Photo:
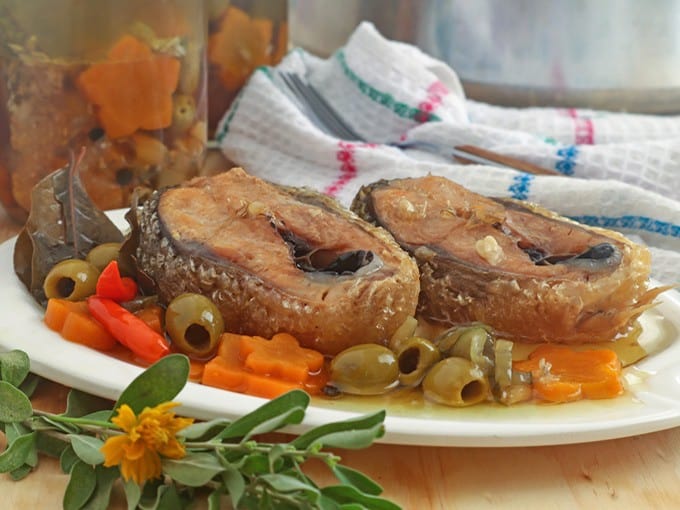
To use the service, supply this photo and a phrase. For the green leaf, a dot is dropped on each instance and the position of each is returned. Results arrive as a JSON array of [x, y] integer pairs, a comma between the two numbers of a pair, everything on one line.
[[14, 405], [254, 464], [14, 367], [14, 430], [215, 500], [285, 483], [87, 448], [102, 493], [287, 409], [328, 434], [79, 403], [194, 470], [169, 498], [133, 493], [159, 383], [234, 482], [103, 415], [357, 479], [21, 472], [275, 453], [81, 485], [50, 445], [66, 428], [29, 385], [17, 453], [204, 430], [346, 494], [67, 459]]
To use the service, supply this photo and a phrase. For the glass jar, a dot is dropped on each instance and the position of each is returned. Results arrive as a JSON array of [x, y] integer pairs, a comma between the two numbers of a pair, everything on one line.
[[242, 35], [123, 79]]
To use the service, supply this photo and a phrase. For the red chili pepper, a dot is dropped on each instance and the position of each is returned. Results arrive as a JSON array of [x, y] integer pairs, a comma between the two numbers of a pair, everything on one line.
[[111, 285], [128, 329]]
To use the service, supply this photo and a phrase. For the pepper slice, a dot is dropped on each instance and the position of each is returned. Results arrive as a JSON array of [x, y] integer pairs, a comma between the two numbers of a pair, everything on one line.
[[128, 329], [112, 285]]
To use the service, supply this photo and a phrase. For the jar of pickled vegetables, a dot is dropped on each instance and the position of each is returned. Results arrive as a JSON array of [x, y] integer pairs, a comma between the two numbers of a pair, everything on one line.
[[120, 81], [242, 35]]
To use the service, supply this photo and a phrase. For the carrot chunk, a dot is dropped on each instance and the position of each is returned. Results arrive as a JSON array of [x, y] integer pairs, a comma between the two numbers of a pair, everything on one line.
[[561, 374], [72, 320]]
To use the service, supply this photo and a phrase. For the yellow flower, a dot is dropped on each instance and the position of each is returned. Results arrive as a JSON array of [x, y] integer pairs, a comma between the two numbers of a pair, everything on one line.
[[147, 437]]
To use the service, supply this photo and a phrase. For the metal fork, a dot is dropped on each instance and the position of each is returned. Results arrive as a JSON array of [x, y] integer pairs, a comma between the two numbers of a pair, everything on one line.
[[326, 118]]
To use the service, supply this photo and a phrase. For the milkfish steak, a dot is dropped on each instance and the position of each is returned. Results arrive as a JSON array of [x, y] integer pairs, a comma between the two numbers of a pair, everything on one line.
[[528, 273], [276, 259]]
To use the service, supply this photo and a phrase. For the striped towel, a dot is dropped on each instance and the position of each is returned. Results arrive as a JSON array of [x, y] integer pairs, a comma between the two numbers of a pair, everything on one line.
[[620, 171]]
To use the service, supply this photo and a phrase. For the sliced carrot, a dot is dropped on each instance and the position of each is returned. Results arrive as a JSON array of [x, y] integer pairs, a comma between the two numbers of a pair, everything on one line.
[[561, 374], [132, 89], [281, 357], [270, 372], [72, 320], [196, 370]]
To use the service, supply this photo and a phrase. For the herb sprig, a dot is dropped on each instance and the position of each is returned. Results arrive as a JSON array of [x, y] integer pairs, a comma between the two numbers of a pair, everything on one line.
[[223, 460]]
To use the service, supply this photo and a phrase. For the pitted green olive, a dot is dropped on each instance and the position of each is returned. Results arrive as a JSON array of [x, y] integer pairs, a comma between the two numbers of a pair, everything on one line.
[[194, 324], [415, 357], [101, 255], [471, 342], [71, 279], [456, 382], [365, 369], [403, 332]]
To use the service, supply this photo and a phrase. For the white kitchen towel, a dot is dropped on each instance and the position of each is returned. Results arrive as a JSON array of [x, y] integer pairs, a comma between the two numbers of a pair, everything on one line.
[[620, 171]]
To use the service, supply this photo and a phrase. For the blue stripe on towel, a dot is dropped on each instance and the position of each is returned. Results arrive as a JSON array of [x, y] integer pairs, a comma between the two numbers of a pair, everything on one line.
[[519, 189], [663, 228], [567, 159]]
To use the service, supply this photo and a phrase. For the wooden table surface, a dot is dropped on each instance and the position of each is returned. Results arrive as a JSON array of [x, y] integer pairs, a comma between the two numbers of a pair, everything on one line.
[[636, 472]]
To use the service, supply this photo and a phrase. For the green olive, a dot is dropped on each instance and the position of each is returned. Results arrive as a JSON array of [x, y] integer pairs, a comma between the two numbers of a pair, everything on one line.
[[101, 255], [71, 279], [403, 332], [365, 369], [183, 113], [456, 382], [194, 324], [415, 357]]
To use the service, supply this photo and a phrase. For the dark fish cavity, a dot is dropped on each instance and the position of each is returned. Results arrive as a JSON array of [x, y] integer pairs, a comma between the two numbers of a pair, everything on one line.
[[317, 260], [595, 258]]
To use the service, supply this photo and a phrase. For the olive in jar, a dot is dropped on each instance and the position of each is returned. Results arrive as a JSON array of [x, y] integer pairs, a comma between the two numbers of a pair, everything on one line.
[[71, 279], [194, 324]]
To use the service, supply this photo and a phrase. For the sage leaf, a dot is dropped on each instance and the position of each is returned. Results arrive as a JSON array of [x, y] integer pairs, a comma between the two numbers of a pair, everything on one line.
[[254, 464], [214, 500], [80, 486], [327, 434], [159, 383], [87, 448], [14, 430], [67, 459], [349, 476], [346, 494], [169, 498], [194, 469], [352, 439], [79, 404], [204, 431], [235, 484], [50, 445], [287, 409], [285, 483], [14, 367], [14, 405], [133, 493], [30, 384], [17, 453], [21, 472], [102, 492]]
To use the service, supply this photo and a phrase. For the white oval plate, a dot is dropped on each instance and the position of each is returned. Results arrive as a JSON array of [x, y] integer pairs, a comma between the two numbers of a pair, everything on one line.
[[651, 403]]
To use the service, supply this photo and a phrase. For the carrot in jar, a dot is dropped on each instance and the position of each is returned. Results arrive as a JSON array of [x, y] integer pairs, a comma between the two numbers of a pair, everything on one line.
[[560, 374], [132, 89]]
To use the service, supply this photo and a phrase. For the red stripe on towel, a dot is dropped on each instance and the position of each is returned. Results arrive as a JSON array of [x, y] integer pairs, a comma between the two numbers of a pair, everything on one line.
[[435, 94], [584, 131]]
